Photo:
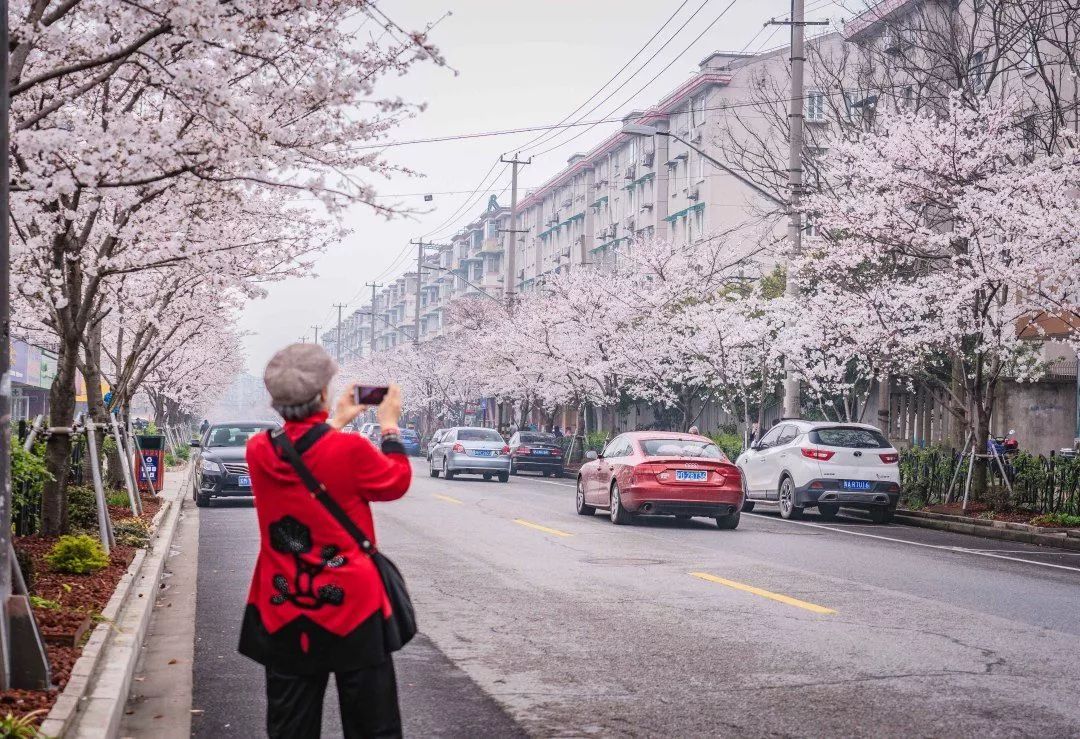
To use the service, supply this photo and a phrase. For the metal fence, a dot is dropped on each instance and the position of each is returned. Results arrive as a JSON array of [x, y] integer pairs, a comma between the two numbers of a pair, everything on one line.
[[1039, 484]]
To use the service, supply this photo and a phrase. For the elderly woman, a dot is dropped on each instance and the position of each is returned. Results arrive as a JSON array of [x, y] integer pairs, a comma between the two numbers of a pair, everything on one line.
[[317, 603]]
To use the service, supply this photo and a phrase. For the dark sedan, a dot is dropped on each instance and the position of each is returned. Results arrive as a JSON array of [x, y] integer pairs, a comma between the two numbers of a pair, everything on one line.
[[535, 451], [221, 469]]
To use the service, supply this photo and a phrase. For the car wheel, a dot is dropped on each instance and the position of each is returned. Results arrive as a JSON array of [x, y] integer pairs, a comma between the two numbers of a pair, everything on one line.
[[547, 473], [881, 514], [202, 500], [504, 477], [513, 468], [487, 476], [728, 522], [788, 509], [828, 511], [579, 500], [619, 515], [447, 472], [432, 470]]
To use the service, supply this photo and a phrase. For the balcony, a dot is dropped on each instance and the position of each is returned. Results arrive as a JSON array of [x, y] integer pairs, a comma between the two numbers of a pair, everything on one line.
[[491, 246]]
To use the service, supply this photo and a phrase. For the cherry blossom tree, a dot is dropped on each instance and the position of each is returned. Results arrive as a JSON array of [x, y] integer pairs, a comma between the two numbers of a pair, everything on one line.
[[951, 248], [129, 116]]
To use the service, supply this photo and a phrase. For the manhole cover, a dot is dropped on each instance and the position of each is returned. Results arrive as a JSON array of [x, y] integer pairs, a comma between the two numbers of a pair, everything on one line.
[[625, 561]]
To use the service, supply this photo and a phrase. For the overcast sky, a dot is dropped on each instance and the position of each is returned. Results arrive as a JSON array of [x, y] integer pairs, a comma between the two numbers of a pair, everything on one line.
[[520, 64]]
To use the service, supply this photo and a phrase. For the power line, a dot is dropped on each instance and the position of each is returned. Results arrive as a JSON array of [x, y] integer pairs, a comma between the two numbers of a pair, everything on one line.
[[637, 71], [707, 28], [536, 139]]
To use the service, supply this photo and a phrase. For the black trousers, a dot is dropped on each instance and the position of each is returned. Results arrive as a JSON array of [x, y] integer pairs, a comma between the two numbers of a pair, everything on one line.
[[367, 698]]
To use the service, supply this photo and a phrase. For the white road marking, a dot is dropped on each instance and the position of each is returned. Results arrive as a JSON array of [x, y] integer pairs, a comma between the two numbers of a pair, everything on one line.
[[560, 484], [963, 550]]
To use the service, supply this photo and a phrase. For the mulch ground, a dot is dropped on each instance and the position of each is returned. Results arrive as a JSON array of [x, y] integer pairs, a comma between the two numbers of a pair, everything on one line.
[[981, 510], [77, 598]]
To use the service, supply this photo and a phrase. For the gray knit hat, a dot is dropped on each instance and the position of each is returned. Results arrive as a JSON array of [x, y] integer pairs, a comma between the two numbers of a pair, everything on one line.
[[298, 373]]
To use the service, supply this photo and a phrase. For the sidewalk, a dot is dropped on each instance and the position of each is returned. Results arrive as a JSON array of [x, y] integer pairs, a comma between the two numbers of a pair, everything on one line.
[[191, 681]]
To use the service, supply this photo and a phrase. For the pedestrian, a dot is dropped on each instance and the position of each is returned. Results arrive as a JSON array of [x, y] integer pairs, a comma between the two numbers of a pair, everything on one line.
[[558, 432], [754, 431], [316, 604], [694, 430], [204, 426], [513, 428]]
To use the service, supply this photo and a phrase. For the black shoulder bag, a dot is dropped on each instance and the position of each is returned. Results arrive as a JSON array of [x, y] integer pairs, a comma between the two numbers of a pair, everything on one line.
[[401, 626]]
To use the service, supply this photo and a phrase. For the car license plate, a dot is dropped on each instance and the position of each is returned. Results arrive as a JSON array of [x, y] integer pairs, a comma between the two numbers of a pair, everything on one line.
[[542, 451], [856, 484], [244, 481], [483, 453], [691, 475]]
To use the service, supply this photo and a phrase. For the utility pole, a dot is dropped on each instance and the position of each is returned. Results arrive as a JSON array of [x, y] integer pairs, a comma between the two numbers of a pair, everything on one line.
[[373, 287], [798, 23], [316, 327], [420, 246], [510, 263], [337, 337]]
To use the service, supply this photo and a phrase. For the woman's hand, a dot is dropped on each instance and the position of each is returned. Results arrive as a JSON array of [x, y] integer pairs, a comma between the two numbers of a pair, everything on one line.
[[389, 410], [345, 410]]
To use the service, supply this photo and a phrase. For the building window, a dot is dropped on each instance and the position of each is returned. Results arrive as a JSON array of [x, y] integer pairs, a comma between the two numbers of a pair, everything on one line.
[[1031, 134], [978, 74], [1031, 54], [815, 106], [697, 111]]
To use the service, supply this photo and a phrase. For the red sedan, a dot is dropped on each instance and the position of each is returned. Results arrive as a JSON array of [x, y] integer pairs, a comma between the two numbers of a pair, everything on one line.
[[661, 474]]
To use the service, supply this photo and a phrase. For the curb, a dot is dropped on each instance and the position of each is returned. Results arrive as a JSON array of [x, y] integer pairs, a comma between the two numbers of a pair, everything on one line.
[[92, 703], [1001, 530]]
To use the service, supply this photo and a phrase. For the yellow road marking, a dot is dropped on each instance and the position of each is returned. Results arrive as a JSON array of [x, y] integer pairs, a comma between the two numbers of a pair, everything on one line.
[[538, 527], [764, 593], [448, 499]]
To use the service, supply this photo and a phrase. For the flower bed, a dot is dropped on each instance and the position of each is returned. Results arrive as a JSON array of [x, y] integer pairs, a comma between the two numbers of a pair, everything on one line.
[[62, 604]]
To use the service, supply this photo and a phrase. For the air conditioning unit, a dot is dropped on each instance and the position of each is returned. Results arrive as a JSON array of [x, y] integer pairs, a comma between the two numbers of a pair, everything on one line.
[[693, 194], [604, 234], [601, 183], [629, 223], [646, 207], [567, 203], [647, 159], [630, 172], [695, 137]]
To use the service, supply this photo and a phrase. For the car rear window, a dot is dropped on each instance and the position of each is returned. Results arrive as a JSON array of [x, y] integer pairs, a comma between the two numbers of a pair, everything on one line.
[[538, 439], [849, 437], [478, 435], [680, 448], [408, 434], [233, 435]]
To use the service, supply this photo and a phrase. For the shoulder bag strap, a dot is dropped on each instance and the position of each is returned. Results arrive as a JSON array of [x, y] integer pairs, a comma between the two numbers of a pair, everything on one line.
[[318, 491]]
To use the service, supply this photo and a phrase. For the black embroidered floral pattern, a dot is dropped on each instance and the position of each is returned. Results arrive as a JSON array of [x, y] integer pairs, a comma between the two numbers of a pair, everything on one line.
[[290, 536]]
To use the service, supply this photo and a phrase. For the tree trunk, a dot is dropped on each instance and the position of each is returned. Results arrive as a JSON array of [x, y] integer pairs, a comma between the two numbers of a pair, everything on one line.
[[58, 447], [883, 400]]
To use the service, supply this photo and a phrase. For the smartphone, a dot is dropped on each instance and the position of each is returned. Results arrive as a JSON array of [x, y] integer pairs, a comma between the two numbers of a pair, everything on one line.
[[369, 394]]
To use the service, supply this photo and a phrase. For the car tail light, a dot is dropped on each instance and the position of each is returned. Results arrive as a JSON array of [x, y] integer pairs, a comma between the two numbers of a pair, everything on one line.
[[890, 458], [645, 471], [458, 449], [818, 454], [894, 488], [505, 450]]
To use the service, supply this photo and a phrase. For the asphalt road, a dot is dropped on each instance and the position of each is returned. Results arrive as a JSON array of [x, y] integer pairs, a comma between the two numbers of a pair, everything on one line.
[[578, 627]]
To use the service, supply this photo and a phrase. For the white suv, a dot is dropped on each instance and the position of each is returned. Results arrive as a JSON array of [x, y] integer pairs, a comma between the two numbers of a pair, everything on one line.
[[828, 465]]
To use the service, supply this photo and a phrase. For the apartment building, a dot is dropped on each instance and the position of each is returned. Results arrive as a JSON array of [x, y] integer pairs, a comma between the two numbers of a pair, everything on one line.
[[469, 266]]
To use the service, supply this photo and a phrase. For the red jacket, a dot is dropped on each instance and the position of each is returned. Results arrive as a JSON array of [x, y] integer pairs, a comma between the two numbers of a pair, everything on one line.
[[316, 601]]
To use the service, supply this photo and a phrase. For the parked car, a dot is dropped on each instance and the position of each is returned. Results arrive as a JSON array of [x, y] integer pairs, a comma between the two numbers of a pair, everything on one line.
[[661, 474], [435, 438], [364, 429], [411, 441], [469, 450], [374, 433], [221, 469], [804, 464], [535, 451]]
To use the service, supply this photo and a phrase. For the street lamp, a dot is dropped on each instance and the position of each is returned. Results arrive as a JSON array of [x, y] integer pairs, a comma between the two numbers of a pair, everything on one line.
[[639, 129]]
